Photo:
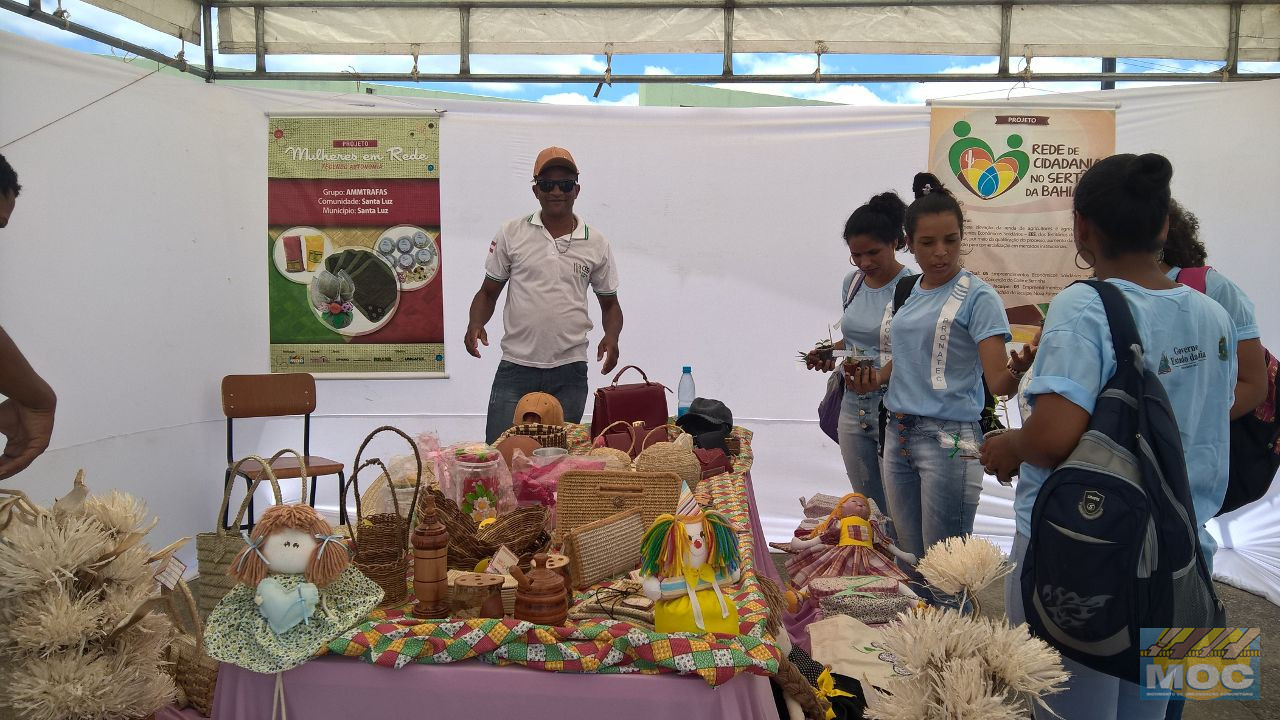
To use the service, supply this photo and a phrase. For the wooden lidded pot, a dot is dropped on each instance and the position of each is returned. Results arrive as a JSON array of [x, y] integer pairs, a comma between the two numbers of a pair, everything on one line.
[[541, 597]]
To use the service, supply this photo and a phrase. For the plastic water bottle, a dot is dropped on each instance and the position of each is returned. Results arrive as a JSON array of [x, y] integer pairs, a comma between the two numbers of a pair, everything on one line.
[[686, 394]]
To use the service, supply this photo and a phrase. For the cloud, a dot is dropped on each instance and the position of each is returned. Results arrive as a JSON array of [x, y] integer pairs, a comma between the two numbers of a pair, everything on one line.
[[654, 70], [538, 64], [573, 98]]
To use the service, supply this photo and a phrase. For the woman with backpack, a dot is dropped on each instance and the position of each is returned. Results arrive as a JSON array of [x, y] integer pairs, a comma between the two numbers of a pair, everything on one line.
[[873, 233], [1183, 260], [947, 336], [1121, 206]]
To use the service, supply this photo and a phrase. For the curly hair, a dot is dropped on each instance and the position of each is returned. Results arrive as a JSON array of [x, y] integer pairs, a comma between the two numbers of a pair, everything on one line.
[[324, 566], [1182, 247]]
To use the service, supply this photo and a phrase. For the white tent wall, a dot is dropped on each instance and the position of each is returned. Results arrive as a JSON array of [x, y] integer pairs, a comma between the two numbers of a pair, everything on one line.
[[132, 272]]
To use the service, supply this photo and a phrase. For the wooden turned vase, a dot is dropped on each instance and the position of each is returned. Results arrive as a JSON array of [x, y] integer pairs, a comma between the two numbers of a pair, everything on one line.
[[541, 597]]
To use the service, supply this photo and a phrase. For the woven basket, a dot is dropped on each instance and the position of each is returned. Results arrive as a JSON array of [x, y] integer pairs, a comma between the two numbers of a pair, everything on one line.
[[546, 435], [614, 459], [380, 541], [585, 496], [215, 551], [193, 670], [676, 457], [521, 530], [605, 548]]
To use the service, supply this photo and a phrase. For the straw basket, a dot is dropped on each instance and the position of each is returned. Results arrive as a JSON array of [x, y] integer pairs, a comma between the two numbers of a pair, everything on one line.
[[546, 435], [383, 531], [521, 530], [585, 496], [215, 551], [193, 670], [676, 457]]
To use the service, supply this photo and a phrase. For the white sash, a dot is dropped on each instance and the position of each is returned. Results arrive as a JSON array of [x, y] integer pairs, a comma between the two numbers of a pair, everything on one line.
[[942, 332], [886, 341]]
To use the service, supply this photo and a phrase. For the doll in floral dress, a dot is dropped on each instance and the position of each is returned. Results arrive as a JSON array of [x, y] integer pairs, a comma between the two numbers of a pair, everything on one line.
[[850, 541]]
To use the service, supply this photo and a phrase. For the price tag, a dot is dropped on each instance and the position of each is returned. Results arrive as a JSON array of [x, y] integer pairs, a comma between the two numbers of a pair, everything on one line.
[[170, 572], [502, 561]]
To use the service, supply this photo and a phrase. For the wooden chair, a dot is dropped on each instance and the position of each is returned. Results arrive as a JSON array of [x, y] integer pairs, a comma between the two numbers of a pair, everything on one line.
[[276, 395]]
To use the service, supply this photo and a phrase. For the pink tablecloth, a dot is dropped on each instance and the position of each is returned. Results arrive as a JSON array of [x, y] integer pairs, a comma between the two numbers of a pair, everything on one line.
[[346, 689]]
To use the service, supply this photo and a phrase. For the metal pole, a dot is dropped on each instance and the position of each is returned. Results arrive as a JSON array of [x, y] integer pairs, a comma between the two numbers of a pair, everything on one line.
[[650, 4], [713, 78], [1006, 27], [464, 41], [1108, 66], [206, 19], [1233, 43], [259, 37], [727, 67]]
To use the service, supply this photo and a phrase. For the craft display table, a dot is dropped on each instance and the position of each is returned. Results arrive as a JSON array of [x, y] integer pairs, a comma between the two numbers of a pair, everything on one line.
[[605, 669]]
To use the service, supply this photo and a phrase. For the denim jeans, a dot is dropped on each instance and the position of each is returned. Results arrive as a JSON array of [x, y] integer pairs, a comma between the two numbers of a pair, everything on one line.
[[1089, 694], [932, 490], [859, 432], [568, 383]]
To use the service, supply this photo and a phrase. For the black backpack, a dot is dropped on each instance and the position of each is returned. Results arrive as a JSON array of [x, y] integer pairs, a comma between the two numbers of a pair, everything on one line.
[[988, 420], [1114, 544]]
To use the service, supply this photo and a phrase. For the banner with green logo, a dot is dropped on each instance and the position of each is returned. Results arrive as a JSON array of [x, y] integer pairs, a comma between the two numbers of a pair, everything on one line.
[[1014, 171]]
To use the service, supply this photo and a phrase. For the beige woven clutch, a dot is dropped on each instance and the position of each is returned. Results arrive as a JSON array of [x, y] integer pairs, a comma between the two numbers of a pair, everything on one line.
[[585, 496], [605, 548]]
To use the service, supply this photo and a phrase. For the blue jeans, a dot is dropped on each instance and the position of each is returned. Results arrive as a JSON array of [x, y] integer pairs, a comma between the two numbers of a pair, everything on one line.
[[859, 432], [932, 491], [568, 383], [1089, 694]]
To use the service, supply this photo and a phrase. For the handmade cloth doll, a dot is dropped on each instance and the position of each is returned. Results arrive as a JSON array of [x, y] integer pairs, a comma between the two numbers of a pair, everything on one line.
[[686, 559], [299, 592], [850, 541]]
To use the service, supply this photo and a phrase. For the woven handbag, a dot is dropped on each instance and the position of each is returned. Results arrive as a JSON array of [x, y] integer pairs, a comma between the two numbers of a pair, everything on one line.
[[674, 456], [868, 607], [193, 670], [383, 531], [585, 496], [546, 435], [215, 551], [605, 548]]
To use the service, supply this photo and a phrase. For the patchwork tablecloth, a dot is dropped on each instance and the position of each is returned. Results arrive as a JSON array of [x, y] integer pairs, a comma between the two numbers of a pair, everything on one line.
[[391, 638]]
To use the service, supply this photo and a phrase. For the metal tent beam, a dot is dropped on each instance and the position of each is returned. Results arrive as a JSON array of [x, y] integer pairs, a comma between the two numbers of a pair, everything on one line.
[[806, 79]]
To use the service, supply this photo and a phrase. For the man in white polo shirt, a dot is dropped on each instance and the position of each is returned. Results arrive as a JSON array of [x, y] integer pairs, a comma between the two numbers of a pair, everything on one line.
[[547, 259]]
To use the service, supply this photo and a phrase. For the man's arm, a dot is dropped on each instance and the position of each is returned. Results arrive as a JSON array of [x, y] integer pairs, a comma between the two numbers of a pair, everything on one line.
[[482, 306], [26, 417], [611, 318]]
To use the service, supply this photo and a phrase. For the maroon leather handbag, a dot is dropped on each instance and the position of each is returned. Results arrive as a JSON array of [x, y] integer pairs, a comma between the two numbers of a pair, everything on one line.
[[644, 402]]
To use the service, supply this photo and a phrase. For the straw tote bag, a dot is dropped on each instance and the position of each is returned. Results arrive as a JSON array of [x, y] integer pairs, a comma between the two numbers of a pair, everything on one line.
[[215, 551], [194, 671], [585, 496]]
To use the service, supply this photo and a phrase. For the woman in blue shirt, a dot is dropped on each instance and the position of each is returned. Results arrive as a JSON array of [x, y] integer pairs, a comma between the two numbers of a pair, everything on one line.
[[948, 335], [873, 233], [1121, 207], [1183, 250]]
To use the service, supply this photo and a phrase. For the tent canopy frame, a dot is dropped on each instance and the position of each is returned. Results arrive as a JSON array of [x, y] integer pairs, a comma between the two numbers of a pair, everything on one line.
[[1229, 70]]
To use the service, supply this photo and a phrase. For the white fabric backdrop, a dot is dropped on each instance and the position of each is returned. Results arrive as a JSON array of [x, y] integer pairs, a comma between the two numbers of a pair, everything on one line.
[[132, 271]]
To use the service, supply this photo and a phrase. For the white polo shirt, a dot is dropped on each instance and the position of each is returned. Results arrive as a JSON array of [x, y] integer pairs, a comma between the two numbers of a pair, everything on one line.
[[545, 318]]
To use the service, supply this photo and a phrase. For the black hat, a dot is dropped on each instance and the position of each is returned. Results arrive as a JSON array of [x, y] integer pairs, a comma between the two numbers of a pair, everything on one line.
[[710, 411]]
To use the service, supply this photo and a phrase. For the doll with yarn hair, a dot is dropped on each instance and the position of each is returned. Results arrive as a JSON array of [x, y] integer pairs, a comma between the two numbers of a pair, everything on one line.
[[687, 558], [298, 592], [850, 541]]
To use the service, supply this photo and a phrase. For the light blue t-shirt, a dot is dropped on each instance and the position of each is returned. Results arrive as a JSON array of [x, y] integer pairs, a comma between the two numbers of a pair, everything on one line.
[[1189, 342], [860, 325], [1232, 299], [935, 334]]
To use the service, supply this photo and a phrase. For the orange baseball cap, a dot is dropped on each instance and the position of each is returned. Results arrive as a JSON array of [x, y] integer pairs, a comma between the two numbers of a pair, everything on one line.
[[553, 157]]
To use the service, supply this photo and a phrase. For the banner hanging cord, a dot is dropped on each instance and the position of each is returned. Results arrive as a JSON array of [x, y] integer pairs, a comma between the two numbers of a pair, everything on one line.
[[82, 107]]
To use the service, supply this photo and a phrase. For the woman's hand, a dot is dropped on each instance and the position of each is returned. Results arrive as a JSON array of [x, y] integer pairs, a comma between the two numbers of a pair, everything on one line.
[[999, 456], [812, 361], [864, 379]]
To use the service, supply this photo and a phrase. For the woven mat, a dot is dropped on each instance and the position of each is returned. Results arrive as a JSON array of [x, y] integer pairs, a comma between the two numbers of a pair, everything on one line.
[[392, 639]]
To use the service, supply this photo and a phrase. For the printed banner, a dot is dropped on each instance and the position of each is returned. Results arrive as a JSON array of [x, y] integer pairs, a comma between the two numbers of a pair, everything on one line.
[[353, 245], [1014, 171]]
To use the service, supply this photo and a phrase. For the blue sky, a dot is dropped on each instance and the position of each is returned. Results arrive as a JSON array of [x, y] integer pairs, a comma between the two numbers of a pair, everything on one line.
[[620, 94]]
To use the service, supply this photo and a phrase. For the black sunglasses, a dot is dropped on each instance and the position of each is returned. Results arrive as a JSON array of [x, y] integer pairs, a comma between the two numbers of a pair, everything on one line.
[[566, 186]]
